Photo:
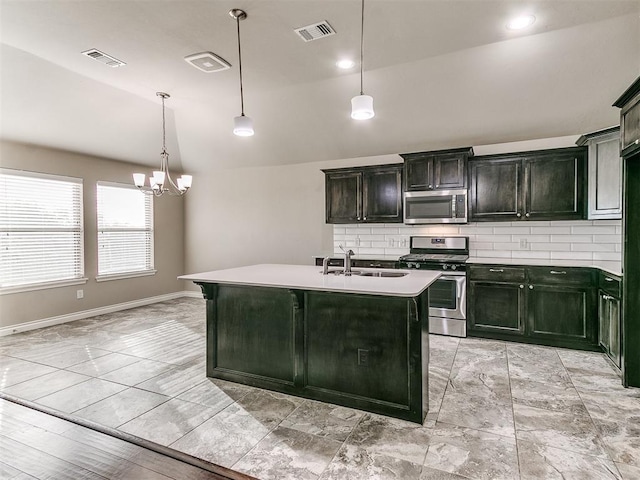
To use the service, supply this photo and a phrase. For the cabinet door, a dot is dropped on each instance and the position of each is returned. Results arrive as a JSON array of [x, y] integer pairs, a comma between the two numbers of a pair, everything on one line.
[[449, 171], [382, 195], [615, 350], [630, 125], [560, 315], [495, 190], [554, 187], [496, 308], [604, 316], [343, 193], [605, 177], [419, 173]]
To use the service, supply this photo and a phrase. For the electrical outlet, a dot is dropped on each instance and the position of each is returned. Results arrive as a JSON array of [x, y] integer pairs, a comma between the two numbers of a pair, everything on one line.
[[363, 357], [358, 241], [392, 242], [524, 244], [403, 243], [79, 294]]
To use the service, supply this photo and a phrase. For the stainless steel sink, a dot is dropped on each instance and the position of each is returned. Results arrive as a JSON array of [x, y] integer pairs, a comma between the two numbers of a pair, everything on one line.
[[367, 274], [383, 274]]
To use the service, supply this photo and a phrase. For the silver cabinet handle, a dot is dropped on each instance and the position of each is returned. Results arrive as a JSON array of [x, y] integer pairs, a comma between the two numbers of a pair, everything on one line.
[[607, 279], [530, 287], [430, 186], [607, 297], [518, 214], [554, 272], [637, 141], [365, 218], [527, 214], [521, 286], [497, 270]]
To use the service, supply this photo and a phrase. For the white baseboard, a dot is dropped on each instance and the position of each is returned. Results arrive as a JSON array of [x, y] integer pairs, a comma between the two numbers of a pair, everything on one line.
[[70, 317]]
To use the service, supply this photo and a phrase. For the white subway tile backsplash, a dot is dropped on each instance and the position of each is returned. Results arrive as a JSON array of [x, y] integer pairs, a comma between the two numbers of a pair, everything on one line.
[[551, 230], [550, 247], [571, 240], [532, 238], [606, 239], [493, 254], [593, 247], [593, 230], [493, 238], [484, 230], [572, 255], [519, 230], [531, 254], [615, 257]]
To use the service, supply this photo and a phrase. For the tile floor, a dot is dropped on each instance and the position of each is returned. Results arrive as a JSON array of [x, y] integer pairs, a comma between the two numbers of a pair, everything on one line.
[[498, 410]]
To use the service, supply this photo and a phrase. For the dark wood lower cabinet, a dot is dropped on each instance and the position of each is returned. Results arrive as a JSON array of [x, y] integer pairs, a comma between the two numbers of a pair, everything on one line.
[[555, 307], [369, 352], [496, 307], [562, 315]]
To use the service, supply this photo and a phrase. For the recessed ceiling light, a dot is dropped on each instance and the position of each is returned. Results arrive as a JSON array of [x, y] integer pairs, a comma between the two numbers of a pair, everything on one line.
[[521, 22], [345, 64]]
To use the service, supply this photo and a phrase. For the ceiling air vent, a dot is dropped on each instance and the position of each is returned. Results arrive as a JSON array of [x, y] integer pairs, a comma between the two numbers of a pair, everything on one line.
[[103, 58], [315, 31], [207, 62]]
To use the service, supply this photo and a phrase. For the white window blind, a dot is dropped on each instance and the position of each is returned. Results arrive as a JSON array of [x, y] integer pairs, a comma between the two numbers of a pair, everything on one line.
[[41, 234], [125, 230]]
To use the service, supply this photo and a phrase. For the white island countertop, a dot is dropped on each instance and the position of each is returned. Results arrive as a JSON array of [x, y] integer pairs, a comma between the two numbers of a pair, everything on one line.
[[303, 277]]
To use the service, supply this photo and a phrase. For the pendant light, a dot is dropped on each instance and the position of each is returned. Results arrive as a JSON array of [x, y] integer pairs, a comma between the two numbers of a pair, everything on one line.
[[362, 105], [242, 125], [161, 182]]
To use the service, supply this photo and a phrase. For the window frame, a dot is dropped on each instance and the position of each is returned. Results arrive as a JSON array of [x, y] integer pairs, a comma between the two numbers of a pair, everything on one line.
[[133, 273], [80, 265]]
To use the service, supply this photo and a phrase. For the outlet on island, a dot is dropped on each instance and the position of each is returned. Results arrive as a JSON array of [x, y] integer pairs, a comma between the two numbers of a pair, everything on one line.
[[363, 357]]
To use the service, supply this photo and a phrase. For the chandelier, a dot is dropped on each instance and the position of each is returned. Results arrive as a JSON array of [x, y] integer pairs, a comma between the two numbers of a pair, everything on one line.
[[161, 182]]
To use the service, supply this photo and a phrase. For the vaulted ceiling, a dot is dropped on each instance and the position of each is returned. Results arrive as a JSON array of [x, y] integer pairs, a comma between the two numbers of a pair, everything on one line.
[[443, 73]]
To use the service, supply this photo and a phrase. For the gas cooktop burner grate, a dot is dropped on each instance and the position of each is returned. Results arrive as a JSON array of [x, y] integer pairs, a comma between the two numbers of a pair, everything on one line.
[[434, 257]]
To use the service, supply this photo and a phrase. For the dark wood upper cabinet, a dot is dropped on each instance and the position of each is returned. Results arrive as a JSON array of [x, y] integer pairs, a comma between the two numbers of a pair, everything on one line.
[[495, 190], [539, 185], [629, 103], [343, 195], [364, 194], [437, 170]]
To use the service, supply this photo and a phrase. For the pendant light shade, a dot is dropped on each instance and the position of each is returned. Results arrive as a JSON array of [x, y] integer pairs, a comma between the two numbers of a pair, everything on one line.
[[242, 125], [362, 107]]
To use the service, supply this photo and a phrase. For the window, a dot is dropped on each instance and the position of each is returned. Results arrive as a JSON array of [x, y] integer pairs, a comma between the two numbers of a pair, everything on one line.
[[125, 231], [41, 234]]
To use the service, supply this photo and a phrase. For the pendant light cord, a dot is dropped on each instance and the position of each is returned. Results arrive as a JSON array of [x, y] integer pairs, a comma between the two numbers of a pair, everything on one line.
[[361, 46], [240, 67], [164, 135]]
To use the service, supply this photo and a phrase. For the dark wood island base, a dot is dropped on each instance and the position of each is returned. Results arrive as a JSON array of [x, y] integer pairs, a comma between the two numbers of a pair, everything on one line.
[[368, 352]]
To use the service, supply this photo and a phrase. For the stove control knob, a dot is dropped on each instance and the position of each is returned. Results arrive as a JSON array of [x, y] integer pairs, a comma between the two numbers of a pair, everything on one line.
[[453, 267], [417, 265], [445, 266]]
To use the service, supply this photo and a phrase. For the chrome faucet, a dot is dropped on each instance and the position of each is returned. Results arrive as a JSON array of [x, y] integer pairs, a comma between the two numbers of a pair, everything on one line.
[[325, 265], [347, 261]]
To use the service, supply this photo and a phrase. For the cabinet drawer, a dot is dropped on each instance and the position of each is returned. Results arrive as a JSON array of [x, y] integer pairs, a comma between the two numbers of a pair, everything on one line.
[[561, 275], [497, 273], [610, 284], [374, 263]]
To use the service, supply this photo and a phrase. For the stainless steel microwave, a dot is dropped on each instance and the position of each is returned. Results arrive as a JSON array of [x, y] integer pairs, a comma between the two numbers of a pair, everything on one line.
[[436, 206]]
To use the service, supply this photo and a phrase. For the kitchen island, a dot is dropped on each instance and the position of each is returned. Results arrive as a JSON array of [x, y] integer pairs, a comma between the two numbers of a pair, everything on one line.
[[360, 341]]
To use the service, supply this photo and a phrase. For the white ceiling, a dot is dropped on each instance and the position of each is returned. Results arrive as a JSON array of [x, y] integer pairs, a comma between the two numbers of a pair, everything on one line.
[[443, 73]]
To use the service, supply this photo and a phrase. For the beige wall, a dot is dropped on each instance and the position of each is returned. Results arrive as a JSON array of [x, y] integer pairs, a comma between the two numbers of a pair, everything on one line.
[[260, 215], [169, 239]]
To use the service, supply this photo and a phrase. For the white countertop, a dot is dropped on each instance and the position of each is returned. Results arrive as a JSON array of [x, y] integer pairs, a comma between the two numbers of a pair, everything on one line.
[[303, 277], [615, 268]]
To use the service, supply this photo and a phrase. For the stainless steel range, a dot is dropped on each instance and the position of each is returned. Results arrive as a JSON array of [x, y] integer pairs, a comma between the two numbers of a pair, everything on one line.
[[448, 295]]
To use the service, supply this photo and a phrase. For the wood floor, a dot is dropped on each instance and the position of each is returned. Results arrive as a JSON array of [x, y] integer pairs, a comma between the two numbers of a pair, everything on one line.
[[34, 445]]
